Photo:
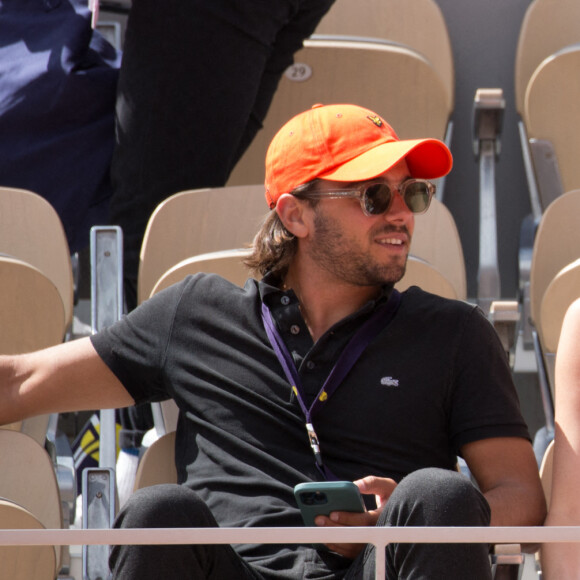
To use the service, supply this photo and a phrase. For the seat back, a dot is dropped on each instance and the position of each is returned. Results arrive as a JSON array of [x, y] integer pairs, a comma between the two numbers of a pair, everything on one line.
[[436, 240], [551, 111], [346, 71], [417, 24], [24, 562], [31, 310], [31, 231], [227, 263], [28, 479], [423, 274], [436, 261], [158, 463], [557, 244], [196, 222], [31, 318], [560, 293], [547, 27]]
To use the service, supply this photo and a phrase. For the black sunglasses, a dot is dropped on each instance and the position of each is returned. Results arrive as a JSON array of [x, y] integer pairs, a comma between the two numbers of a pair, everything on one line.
[[376, 196]]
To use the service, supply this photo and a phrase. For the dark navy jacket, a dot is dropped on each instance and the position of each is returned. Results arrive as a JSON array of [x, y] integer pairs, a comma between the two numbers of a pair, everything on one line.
[[58, 81]]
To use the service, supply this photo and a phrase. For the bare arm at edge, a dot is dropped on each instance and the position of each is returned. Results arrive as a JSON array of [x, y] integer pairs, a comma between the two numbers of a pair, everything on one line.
[[506, 471], [66, 377], [561, 561]]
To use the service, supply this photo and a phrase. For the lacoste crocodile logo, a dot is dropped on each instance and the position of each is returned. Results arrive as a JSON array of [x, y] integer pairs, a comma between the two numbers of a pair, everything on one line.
[[389, 382]]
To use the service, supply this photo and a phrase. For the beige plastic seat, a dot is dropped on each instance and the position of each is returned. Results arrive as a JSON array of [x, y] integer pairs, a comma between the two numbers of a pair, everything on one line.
[[436, 241], [28, 480], [158, 463], [547, 27], [556, 245], [31, 318], [423, 274], [560, 293], [348, 71], [24, 562], [551, 111], [227, 263], [31, 310], [197, 222], [31, 231], [436, 262], [417, 24]]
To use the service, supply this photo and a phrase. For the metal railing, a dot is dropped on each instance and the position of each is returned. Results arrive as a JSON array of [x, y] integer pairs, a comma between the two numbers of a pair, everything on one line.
[[378, 536]]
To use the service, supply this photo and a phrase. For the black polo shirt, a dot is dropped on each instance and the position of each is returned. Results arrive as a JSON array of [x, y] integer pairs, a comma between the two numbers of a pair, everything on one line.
[[433, 380]]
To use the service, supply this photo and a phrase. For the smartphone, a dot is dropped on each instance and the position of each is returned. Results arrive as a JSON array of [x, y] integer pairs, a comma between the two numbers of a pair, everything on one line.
[[322, 497]]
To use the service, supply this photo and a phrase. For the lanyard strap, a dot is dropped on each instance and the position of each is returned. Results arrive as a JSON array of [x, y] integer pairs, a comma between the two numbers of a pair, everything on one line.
[[347, 359]]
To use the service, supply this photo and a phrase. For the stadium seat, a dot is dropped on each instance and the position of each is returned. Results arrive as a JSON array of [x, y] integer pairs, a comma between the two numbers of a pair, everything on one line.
[[24, 562], [28, 480], [417, 24], [226, 263], [354, 71], [196, 222], [31, 231], [436, 241], [551, 115], [158, 463], [36, 263], [31, 317], [229, 265], [554, 267], [547, 27]]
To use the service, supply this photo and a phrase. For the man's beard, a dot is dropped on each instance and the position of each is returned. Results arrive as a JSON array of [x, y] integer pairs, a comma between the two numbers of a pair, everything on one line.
[[347, 261]]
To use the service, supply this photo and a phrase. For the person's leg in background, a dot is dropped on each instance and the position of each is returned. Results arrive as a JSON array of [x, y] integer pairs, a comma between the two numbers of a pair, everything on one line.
[[195, 84], [431, 497]]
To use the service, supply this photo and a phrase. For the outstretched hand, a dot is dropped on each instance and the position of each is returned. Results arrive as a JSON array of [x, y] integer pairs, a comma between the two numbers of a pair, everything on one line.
[[381, 488]]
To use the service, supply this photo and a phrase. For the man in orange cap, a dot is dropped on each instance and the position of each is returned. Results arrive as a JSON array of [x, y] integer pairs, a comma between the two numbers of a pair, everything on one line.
[[320, 370]]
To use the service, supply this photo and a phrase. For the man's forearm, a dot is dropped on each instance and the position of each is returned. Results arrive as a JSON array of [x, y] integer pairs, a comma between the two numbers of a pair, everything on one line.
[[516, 504], [67, 377]]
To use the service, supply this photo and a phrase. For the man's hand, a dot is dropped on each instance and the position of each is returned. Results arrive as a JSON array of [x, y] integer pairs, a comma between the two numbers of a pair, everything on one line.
[[381, 488]]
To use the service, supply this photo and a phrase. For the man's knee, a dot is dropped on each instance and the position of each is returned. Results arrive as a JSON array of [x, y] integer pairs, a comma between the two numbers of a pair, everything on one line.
[[437, 497], [165, 506]]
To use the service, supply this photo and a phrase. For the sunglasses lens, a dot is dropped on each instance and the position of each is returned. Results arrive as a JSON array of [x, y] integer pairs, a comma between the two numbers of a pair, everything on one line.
[[377, 198], [417, 196]]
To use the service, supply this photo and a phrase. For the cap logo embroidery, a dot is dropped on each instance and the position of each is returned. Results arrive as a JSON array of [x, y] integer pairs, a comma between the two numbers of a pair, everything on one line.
[[376, 120]]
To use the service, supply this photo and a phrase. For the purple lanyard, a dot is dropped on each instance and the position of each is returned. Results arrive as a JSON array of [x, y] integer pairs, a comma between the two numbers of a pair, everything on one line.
[[357, 344]]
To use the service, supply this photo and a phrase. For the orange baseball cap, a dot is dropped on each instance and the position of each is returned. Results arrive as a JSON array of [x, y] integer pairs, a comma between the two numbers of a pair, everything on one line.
[[345, 143]]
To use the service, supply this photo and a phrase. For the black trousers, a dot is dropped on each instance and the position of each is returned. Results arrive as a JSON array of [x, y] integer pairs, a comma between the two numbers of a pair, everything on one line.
[[196, 82], [428, 497]]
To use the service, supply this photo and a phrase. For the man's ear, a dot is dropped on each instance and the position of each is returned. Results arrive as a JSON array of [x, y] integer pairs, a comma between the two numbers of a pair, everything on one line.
[[293, 213]]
